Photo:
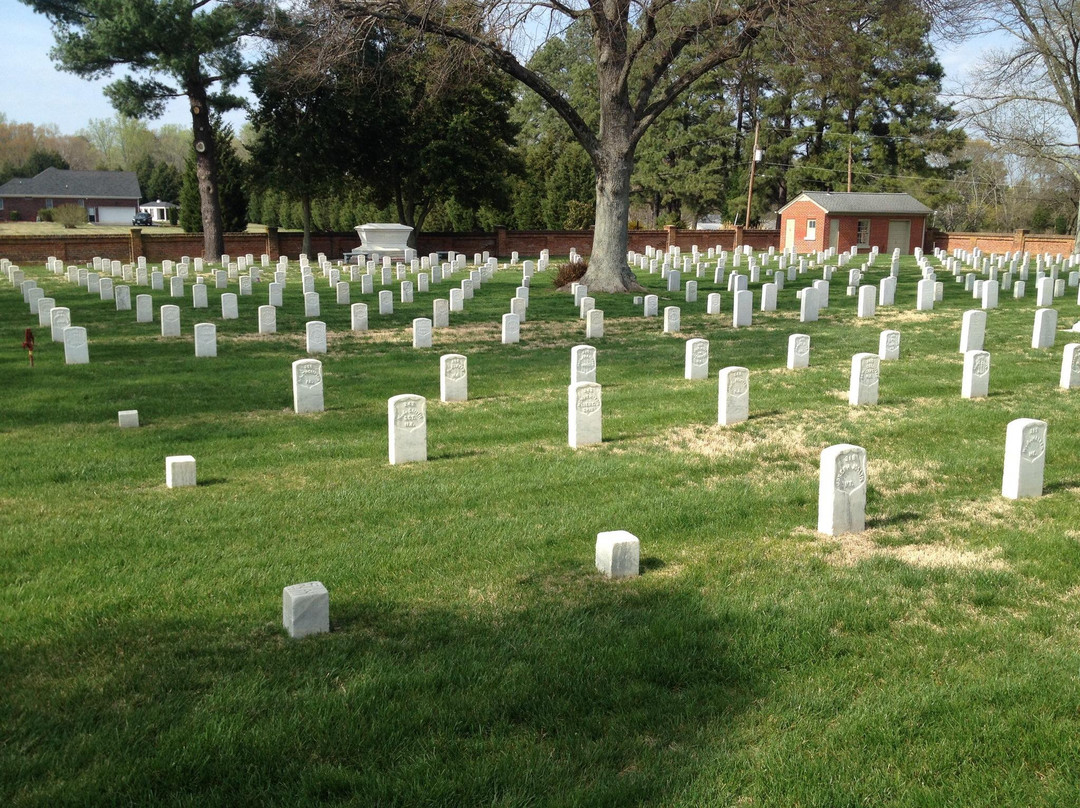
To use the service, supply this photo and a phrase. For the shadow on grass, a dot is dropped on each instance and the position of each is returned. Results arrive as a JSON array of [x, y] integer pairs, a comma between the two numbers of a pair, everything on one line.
[[600, 693], [1060, 485], [212, 481], [652, 564], [893, 519], [766, 414], [455, 455]]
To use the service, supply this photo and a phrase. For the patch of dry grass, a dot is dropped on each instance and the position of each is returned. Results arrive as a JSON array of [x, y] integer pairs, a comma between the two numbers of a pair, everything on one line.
[[850, 549]]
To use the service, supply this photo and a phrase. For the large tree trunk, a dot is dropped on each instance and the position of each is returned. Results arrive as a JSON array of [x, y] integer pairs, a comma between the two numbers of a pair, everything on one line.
[[305, 212], [608, 269], [613, 160], [206, 171]]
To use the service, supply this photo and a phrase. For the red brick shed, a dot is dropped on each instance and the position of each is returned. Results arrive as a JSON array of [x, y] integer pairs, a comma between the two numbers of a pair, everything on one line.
[[816, 220]]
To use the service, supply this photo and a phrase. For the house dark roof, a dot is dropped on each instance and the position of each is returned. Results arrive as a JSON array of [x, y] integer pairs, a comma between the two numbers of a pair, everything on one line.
[[58, 183], [839, 202]]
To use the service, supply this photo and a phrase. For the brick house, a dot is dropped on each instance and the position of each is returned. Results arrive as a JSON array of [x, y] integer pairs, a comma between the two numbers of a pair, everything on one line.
[[110, 197], [816, 220]]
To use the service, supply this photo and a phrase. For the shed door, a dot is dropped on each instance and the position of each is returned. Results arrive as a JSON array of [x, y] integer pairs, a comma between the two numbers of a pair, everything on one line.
[[899, 237], [789, 234], [834, 234]]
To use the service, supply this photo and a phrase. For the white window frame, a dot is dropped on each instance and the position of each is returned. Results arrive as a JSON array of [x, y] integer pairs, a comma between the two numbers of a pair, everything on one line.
[[48, 203], [862, 242], [811, 230]]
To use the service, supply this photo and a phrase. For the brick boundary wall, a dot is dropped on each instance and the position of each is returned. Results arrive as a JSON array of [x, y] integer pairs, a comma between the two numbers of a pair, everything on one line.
[[84, 245], [1017, 241]]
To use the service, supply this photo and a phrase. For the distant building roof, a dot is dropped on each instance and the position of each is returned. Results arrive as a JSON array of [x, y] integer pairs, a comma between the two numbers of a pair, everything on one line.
[[157, 203], [59, 183], [883, 203]]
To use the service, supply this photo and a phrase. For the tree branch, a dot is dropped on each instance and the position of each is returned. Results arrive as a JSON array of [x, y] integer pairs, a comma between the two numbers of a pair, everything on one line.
[[647, 115], [502, 58]]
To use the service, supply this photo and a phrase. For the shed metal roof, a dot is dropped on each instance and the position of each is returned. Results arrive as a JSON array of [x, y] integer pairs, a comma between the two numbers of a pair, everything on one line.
[[858, 202]]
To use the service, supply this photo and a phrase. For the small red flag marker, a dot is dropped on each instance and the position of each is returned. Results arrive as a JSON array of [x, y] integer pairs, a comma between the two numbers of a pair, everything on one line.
[[28, 344]]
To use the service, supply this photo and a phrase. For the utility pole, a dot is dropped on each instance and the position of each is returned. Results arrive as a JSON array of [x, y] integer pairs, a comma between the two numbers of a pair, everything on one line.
[[849, 161], [753, 166]]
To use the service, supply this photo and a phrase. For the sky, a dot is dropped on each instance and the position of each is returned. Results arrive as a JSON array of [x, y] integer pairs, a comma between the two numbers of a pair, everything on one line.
[[33, 91]]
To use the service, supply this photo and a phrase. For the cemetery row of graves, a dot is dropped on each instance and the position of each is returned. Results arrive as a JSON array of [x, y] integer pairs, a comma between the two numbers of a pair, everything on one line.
[[654, 548]]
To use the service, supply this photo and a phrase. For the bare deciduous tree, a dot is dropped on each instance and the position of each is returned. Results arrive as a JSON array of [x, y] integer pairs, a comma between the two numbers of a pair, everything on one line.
[[637, 47], [1026, 98]]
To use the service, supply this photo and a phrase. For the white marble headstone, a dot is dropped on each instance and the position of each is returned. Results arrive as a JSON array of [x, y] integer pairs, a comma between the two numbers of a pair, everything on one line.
[[307, 379], [733, 396], [407, 422], [976, 375], [1025, 458], [205, 339], [582, 364], [798, 351], [865, 373], [453, 378], [696, 363], [76, 351], [842, 490], [585, 414]]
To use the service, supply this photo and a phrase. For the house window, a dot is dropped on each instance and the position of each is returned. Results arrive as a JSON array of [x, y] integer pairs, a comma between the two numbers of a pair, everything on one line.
[[82, 203], [811, 229], [1, 203], [862, 233], [48, 203]]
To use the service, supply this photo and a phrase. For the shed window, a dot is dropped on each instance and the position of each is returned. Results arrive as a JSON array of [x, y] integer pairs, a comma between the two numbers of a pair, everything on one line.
[[862, 233], [811, 229]]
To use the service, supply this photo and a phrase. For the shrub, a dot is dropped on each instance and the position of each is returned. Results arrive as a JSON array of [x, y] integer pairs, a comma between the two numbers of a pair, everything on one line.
[[570, 272], [69, 215], [46, 215], [579, 215], [670, 218], [14, 216]]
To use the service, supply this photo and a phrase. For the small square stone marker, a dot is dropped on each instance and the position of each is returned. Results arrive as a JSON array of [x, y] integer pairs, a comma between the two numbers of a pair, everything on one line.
[[128, 418], [179, 471], [305, 609], [618, 554]]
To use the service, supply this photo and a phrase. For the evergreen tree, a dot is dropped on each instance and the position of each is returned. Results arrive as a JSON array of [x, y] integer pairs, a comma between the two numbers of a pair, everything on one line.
[[231, 186], [190, 216], [165, 182], [194, 44]]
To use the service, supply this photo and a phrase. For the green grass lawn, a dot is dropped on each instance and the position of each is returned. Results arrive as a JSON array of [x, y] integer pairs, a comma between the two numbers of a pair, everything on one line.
[[54, 228], [475, 655]]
